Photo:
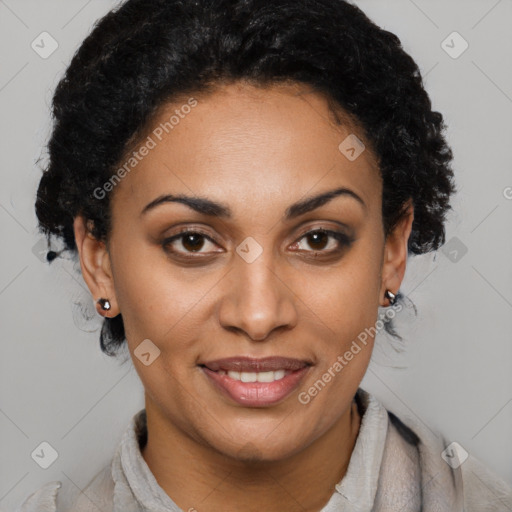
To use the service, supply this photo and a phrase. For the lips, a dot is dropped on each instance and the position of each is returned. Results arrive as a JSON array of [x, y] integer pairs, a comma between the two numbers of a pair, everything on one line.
[[254, 382], [248, 364]]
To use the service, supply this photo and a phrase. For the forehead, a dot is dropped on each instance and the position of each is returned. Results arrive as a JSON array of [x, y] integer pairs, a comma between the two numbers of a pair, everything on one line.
[[248, 144]]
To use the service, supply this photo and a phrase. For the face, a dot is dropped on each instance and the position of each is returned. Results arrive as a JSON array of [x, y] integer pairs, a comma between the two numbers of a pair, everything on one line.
[[247, 265]]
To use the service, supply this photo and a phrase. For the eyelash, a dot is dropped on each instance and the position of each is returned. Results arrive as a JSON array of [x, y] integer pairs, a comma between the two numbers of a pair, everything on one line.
[[344, 241]]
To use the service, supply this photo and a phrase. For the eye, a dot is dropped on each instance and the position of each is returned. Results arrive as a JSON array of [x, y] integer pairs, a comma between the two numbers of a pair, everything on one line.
[[324, 241], [191, 240], [321, 241]]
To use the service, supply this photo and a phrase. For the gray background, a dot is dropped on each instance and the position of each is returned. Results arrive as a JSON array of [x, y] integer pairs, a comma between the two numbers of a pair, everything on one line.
[[455, 374]]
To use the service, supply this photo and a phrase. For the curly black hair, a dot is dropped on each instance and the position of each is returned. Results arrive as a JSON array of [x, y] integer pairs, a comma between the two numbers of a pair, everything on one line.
[[145, 53]]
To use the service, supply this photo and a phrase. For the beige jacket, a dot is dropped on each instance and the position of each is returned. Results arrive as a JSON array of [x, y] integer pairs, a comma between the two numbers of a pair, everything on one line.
[[394, 467]]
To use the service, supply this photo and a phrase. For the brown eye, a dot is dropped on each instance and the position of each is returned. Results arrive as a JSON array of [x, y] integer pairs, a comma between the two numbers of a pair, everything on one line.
[[319, 241], [192, 241]]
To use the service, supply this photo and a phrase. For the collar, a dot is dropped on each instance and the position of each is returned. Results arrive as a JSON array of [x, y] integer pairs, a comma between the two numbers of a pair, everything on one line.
[[357, 489], [136, 489]]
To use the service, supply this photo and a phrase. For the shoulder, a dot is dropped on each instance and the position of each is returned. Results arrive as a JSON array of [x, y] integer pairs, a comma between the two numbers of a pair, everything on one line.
[[97, 495], [43, 499], [484, 491], [451, 471], [56, 497]]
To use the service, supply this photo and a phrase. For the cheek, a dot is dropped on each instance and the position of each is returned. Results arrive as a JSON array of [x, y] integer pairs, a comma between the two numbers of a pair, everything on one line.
[[346, 300], [343, 350], [172, 308], [152, 294], [345, 304]]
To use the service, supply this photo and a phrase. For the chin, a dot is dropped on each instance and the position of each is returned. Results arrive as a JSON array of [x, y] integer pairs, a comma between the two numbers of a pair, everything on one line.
[[261, 450]]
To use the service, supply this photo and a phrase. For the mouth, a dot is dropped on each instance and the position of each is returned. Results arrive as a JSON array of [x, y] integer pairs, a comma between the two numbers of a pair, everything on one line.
[[256, 382]]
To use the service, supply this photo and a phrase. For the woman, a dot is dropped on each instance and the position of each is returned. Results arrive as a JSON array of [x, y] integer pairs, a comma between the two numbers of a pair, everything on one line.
[[242, 182]]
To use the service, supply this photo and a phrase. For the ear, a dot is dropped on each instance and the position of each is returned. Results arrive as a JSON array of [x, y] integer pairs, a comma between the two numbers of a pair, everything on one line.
[[395, 255], [95, 265]]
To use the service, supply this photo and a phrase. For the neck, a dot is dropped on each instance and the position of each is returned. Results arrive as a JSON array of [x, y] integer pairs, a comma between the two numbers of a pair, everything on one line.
[[196, 477]]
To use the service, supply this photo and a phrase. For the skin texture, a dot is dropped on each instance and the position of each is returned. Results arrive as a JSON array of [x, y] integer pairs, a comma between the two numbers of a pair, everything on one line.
[[256, 150]]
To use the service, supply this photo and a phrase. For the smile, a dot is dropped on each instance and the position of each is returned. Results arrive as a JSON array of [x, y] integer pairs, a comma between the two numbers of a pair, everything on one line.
[[255, 382], [256, 376]]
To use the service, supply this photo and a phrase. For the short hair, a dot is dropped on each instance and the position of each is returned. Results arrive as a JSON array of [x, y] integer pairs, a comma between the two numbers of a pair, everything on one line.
[[146, 53]]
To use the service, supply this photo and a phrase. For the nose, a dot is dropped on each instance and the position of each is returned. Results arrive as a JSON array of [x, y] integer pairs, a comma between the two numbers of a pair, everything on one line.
[[258, 299]]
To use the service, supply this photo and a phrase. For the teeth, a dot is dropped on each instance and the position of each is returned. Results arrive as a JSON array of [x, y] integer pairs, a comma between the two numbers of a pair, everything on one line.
[[248, 377], [256, 376], [279, 374], [267, 376]]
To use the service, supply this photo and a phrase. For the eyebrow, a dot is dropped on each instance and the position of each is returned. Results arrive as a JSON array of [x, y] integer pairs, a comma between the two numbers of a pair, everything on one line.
[[211, 208]]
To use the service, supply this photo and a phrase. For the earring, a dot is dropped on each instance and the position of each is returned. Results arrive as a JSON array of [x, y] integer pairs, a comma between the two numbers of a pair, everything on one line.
[[391, 296], [104, 303]]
